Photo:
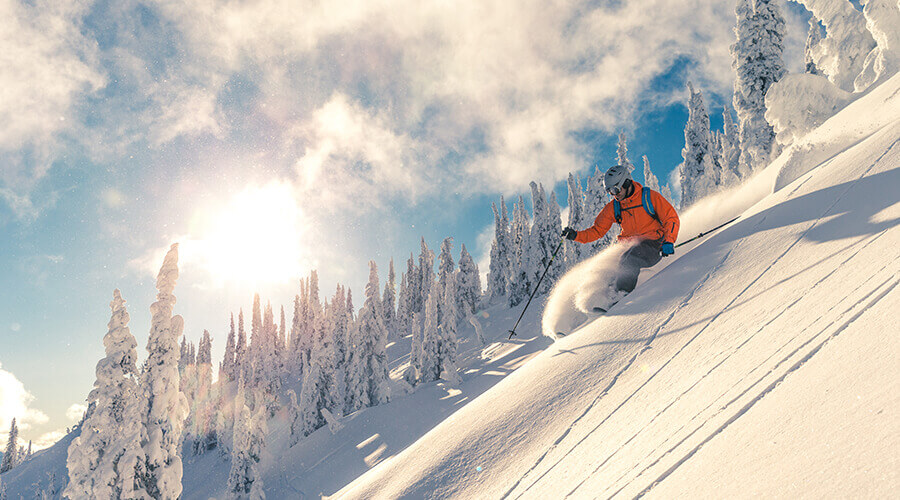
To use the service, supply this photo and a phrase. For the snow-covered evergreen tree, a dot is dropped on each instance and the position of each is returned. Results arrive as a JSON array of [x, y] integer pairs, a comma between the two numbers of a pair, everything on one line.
[[595, 198], [650, 180], [498, 278], [282, 339], [520, 258], [164, 406], [244, 479], [812, 41], [102, 460], [841, 55], [371, 366], [700, 173], [446, 268], [543, 240], [575, 252], [341, 339], [403, 315], [319, 384], [426, 275], [448, 333], [414, 286], [468, 284], [622, 152], [429, 357], [228, 360], [758, 63], [388, 303], [731, 150], [240, 349], [882, 18], [295, 417], [11, 455]]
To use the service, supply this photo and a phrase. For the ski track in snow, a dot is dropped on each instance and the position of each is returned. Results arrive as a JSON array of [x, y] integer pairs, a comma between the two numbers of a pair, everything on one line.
[[684, 303], [609, 387], [767, 390], [799, 364], [737, 384]]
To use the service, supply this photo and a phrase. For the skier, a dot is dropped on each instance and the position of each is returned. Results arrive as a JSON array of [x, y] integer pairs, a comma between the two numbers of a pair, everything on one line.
[[647, 219]]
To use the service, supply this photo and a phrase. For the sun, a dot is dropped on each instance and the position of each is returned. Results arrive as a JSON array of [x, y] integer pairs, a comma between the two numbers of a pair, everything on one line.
[[255, 237]]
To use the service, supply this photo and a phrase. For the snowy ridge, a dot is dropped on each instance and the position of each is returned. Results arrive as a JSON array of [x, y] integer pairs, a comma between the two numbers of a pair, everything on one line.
[[761, 362]]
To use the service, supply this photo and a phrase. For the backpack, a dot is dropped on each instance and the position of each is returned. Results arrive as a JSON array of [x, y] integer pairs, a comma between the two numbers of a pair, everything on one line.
[[645, 201]]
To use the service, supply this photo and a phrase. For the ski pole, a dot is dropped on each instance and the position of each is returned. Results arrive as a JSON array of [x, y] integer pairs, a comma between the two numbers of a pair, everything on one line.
[[706, 233], [512, 332]]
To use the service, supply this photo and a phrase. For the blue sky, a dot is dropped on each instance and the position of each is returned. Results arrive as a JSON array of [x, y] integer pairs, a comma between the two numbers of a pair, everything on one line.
[[271, 137]]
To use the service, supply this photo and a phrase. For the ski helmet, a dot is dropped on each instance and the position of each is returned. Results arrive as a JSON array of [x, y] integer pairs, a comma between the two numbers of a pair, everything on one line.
[[616, 178]]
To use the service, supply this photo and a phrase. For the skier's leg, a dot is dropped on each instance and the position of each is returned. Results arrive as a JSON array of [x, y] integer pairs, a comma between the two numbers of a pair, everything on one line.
[[644, 254]]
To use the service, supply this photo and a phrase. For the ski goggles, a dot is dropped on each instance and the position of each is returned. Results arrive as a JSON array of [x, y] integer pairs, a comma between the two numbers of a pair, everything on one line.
[[615, 190]]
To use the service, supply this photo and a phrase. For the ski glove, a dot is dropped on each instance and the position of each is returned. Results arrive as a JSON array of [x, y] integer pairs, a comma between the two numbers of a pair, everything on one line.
[[668, 249], [569, 233]]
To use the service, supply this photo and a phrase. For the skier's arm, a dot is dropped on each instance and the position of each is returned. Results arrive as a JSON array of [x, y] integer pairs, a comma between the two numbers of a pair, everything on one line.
[[602, 223], [667, 216]]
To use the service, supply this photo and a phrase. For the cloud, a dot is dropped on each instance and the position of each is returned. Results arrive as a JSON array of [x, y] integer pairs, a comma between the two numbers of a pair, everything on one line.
[[492, 93], [15, 402], [48, 68], [75, 412], [47, 440]]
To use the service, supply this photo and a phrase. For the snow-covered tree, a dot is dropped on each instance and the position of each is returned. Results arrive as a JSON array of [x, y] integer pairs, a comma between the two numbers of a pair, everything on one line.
[[758, 63], [282, 339], [429, 365], [319, 384], [841, 55], [520, 259], [295, 417], [414, 286], [448, 333], [731, 150], [543, 239], [468, 284], [575, 252], [341, 338], [882, 18], [622, 152], [164, 405], [446, 268], [498, 278], [403, 315], [390, 291], [244, 479], [368, 381], [650, 180], [812, 41], [102, 460], [11, 455], [228, 360], [595, 198], [426, 275], [700, 173], [240, 349]]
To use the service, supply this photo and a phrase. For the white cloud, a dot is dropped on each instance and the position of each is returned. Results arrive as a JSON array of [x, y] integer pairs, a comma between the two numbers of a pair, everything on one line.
[[48, 66], [75, 412], [47, 440], [15, 402]]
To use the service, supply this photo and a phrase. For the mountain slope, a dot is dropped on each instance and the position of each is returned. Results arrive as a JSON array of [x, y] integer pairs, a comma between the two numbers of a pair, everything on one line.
[[763, 361]]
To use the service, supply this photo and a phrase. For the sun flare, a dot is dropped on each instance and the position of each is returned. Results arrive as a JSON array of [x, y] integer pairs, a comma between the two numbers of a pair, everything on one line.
[[256, 237]]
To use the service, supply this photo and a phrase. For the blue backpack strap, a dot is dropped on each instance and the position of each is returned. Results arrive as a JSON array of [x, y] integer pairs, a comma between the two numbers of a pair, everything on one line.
[[617, 210], [648, 203]]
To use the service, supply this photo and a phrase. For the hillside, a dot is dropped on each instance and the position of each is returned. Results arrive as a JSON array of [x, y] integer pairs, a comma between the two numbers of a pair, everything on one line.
[[761, 360], [764, 361]]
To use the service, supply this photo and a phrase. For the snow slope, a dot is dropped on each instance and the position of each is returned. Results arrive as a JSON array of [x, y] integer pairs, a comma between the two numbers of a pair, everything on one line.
[[764, 361]]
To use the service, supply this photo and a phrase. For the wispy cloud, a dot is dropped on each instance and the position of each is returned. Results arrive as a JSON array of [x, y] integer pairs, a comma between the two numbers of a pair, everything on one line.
[[48, 68]]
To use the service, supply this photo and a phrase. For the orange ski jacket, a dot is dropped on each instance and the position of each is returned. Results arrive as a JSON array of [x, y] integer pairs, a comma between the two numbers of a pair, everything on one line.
[[636, 222]]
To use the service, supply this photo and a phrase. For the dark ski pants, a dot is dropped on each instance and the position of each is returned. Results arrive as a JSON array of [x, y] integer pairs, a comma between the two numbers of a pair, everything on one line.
[[647, 253]]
